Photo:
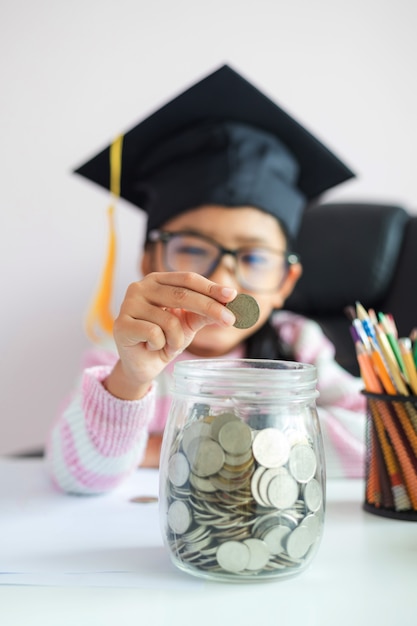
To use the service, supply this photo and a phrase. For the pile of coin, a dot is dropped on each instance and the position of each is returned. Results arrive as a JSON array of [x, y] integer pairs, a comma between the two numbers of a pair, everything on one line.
[[242, 501]]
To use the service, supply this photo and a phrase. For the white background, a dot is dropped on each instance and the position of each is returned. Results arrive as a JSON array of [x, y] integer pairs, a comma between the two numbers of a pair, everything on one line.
[[74, 73]]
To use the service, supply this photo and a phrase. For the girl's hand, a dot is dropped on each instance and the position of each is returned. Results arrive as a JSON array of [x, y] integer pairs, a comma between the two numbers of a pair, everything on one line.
[[158, 319]]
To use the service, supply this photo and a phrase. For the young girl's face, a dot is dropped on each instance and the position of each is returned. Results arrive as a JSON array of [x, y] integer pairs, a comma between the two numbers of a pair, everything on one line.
[[232, 229]]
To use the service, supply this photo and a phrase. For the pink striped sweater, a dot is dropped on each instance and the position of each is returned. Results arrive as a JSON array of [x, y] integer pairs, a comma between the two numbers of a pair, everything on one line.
[[98, 439]]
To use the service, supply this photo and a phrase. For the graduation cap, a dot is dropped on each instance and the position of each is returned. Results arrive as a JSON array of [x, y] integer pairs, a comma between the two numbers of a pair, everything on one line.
[[223, 142]]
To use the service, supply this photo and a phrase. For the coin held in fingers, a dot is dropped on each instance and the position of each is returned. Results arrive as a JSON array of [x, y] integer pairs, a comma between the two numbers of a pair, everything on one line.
[[245, 309]]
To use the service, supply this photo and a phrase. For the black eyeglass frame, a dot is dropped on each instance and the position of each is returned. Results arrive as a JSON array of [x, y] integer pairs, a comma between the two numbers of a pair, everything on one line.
[[163, 236]]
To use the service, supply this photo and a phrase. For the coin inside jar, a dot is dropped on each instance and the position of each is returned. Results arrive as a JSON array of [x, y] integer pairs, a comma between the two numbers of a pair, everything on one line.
[[302, 462], [233, 556], [271, 447], [245, 309], [179, 516], [235, 437], [178, 469], [206, 456]]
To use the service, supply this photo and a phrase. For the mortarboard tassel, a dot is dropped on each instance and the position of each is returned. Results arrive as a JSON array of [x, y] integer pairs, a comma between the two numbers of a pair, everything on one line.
[[99, 316]]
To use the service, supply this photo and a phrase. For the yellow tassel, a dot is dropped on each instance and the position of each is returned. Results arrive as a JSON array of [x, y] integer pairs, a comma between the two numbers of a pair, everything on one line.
[[99, 316]]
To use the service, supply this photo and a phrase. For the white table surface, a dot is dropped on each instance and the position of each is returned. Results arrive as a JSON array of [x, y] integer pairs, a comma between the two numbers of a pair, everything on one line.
[[101, 560]]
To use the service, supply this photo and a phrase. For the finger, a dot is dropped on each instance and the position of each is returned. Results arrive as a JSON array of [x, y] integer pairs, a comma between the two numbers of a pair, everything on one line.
[[190, 281], [130, 332], [174, 289], [191, 324], [193, 293]]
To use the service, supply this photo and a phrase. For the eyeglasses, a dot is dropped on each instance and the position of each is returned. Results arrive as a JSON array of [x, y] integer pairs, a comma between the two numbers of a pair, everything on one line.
[[257, 268]]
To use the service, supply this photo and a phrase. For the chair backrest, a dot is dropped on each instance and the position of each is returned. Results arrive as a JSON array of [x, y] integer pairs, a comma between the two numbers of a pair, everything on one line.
[[351, 252]]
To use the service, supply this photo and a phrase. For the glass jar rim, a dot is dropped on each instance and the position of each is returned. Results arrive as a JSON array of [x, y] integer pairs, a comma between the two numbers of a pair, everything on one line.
[[252, 377]]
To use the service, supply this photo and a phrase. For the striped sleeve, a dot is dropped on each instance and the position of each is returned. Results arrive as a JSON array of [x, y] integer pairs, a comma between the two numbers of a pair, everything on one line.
[[98, 439]]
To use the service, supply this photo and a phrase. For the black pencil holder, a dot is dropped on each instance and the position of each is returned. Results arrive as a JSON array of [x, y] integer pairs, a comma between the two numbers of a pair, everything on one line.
[[391, 456]]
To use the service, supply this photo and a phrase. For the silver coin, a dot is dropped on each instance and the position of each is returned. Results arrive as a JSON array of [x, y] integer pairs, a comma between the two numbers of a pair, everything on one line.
[[282, 491], [233, 556], [193, 431], [298, 510], [271, 447], [219, 421], [264, 522], [230, 531], [302, 462], [287, 561], [200, 532], [264, 481], [240, 499], [178, 469], [206, 456], [246, 310], [298, 542], [276, 565], [179, 517], [312, 523], [228, 524], [197, 546], [287, 519], [313, 495], [201, 484], [235, 473], [259, 554], [256, 476], [275, 538], [235, 437], [238, 459], [228, 485]]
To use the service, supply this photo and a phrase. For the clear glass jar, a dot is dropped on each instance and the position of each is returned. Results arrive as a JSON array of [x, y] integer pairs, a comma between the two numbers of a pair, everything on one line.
[[242, 476]]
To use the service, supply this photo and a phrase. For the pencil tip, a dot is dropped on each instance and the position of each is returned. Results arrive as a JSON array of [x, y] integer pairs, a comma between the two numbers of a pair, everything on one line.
[[350, 312], [361, 311]]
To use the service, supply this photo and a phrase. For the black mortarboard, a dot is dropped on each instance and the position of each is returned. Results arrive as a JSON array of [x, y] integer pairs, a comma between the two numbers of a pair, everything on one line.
[[224, 142]]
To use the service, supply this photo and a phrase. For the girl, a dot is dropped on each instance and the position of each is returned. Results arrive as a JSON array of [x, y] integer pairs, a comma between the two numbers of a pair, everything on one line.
[[224, 176]]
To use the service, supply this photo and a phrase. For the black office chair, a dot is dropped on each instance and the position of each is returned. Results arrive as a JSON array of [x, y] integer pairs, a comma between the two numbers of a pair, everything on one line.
[[364, 252]]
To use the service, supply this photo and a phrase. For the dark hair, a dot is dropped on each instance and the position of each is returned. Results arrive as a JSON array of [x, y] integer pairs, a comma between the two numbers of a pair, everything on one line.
[[266, 344]]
